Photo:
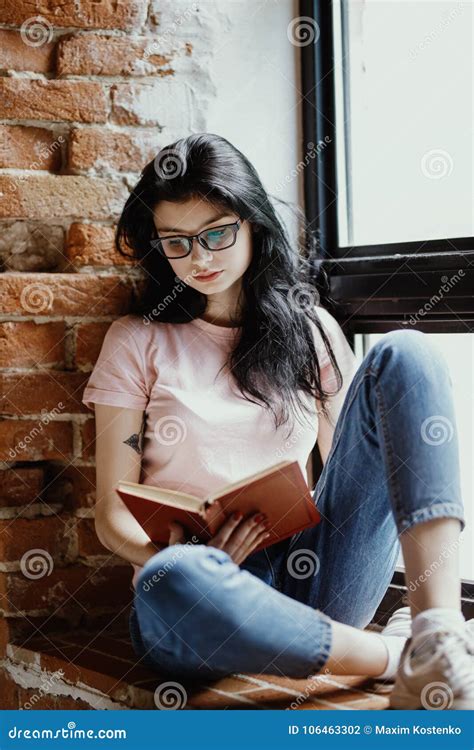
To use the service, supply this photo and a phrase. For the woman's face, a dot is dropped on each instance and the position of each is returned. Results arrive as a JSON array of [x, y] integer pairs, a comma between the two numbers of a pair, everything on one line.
[[193, 216]]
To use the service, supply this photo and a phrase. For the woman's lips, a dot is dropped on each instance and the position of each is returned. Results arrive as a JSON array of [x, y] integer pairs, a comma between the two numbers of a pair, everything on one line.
[[209, 277]]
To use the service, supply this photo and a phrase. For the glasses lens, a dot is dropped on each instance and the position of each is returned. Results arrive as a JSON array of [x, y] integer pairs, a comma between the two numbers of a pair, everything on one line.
[[175, 247], [219, 238]]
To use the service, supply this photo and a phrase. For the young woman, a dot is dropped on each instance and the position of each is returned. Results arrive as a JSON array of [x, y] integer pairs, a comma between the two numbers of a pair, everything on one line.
[[226, 365]]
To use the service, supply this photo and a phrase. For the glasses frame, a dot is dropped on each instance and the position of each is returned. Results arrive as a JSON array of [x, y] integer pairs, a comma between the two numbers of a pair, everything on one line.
[[156, 242]]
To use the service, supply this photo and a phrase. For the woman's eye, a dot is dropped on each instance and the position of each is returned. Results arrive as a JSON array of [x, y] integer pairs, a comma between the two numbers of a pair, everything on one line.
[[215, 234]]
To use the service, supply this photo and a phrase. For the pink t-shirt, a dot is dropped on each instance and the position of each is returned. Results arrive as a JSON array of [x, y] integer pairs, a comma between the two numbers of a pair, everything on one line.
[[199, 433]]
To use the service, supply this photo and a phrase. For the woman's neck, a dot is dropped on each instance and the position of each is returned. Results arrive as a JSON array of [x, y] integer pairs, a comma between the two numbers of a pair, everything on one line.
[[223, 309]]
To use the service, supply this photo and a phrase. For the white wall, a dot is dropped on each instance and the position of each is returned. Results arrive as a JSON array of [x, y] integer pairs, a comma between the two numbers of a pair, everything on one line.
[[241, 81]]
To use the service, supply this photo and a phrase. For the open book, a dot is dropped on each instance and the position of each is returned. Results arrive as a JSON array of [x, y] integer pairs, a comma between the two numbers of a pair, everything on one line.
[[280, 492]]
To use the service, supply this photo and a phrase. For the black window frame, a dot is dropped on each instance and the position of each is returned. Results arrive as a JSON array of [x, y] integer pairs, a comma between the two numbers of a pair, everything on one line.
[[377, 287], [382, 287]]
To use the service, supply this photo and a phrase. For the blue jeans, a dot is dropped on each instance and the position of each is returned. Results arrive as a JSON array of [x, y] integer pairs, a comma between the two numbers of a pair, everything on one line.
[[393, 463]]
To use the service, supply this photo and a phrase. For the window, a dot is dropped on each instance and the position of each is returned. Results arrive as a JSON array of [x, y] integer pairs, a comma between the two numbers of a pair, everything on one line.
[[405, 116], [388, 85]]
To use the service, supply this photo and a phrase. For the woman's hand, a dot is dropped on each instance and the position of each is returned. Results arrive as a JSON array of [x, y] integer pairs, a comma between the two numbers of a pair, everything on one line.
[[236, 537]]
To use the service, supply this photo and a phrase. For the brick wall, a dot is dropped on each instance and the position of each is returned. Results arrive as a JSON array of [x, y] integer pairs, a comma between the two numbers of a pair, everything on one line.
[[89, 92]]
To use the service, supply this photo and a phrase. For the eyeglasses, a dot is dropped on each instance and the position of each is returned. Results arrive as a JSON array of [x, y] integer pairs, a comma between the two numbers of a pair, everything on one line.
[[215, 238]]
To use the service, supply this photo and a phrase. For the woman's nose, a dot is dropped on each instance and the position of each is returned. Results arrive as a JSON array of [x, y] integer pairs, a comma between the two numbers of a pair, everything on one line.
[[199, 252]]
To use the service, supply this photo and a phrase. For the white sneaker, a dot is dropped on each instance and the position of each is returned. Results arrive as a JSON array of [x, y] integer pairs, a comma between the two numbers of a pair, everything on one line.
[[436, 670], [399, 623]]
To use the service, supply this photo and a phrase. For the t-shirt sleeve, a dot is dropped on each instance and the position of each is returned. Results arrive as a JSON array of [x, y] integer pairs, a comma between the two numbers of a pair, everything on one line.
[[348, 366], [118, 377]]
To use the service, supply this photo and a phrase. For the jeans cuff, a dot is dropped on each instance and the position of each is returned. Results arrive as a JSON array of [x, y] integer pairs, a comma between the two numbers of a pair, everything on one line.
[[324, 643], [441, 510]]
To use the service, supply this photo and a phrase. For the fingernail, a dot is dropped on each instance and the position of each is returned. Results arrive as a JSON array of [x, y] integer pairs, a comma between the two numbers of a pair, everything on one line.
[[259, 517], [266, 535], [237, 515], [266, 525]]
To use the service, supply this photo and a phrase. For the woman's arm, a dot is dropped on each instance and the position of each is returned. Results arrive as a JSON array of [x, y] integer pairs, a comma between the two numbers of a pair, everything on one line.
[[119, 441], [325, 435]]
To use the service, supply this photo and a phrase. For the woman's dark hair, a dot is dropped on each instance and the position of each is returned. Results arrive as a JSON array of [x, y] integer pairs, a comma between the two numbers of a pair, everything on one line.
[[275, 354]]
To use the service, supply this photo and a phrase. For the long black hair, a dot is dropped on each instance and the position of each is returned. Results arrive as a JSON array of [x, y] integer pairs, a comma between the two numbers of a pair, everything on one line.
[[275, 354]]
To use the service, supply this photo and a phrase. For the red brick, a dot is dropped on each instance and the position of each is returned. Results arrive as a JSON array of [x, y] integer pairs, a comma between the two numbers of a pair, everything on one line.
[[88, 439], [89, 338], [23, 147], [51, 393], [56, 101], [9, 692], [23, 630], [17, 54], [33, 700], [72, 590], [30, 246], [28, 344], [98, 54], [93, 245], [88, 14], [65, 294], [60, 196], [51, 534], [21, 485], [87, 538], [5, 635], [104, 149], [101, 671], [24, 440], [71, 485]]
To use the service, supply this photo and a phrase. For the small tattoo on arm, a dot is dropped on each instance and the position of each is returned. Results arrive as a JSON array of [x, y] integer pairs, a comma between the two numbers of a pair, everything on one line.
[[136, 440]]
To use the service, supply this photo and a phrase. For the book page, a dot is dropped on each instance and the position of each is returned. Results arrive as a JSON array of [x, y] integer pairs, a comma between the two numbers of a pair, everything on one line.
[[162, 495]]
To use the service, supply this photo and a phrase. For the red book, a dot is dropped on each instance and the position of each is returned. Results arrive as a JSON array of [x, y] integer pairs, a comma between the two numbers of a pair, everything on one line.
[[280, 492]]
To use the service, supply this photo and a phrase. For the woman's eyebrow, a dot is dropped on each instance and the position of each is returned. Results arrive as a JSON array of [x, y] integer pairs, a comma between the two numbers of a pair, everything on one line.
[[181, 231]]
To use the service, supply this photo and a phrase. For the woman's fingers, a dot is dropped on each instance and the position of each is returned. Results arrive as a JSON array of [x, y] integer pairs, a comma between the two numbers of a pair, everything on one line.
[[243, 538], [177, 535], [238, 538], [252, 539], [243, 553], [226, 530]]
